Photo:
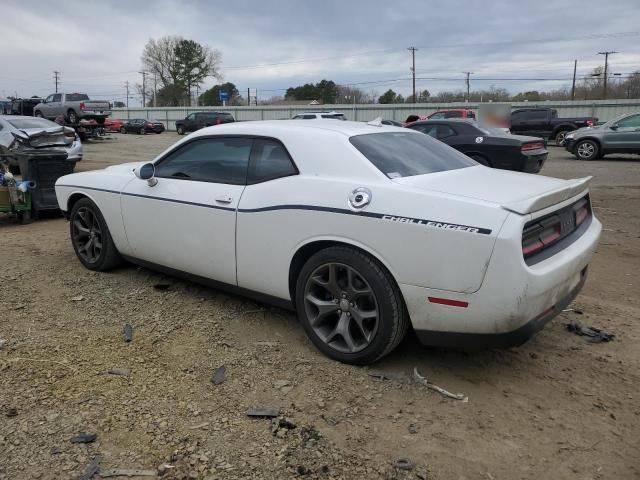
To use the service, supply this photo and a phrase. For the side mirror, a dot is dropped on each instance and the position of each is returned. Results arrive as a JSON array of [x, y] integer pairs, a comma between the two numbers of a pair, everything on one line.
[[146, 172], [614, 127]]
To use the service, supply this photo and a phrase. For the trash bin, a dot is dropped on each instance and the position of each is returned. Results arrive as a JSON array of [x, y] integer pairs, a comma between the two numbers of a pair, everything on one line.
[[44, 167]]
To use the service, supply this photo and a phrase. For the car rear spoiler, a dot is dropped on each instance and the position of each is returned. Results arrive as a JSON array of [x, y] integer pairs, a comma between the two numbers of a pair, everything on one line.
[[552, 197]]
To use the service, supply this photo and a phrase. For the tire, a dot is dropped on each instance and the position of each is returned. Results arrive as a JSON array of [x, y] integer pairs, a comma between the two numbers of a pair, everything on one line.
[[88, 225], [481, 160], [38, 114], [123, 130], [142, 131], [587, 150], [72, 117], [362, 285], [559, 138], [180, 130]]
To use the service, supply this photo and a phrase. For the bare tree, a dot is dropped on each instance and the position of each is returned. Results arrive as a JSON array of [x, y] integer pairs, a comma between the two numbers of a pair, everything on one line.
[[159, 57]]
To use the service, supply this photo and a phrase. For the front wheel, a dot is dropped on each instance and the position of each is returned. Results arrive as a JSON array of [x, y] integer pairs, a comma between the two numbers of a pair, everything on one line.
[[38, 114], [142, 131], [90, 237], [587, 150], [350, 306], [123, 130], [180, 130]]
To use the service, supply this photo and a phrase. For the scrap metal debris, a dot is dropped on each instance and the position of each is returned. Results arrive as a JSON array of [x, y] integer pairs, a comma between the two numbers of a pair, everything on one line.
[[123, 372], [84, 438], [442, 391], [263, 412], [596, 334], [218, 375], [79, 298], [128, 472], [11, 412], [404, 464], [92, 469], [128, 332]]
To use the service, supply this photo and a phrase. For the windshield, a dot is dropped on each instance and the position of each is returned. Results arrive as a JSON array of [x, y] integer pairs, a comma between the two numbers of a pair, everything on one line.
[[406, 154], [35, 122]]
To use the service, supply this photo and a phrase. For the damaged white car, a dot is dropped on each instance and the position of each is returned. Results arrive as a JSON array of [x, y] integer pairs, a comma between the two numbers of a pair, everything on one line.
[[19, 132], [365, 230]]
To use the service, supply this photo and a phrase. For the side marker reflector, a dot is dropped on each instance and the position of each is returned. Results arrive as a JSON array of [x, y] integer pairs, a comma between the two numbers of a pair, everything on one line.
[[447, 301]]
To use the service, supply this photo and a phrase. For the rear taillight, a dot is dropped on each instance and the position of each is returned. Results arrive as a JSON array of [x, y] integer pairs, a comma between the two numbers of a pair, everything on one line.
[[81, 105], [540, 235], [589, 123], [527, 147], [581, 211], [218, 121]]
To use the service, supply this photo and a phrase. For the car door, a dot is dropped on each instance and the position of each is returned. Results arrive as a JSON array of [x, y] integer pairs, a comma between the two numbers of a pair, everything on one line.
[[55, 107], [46, 106], [624, 136], [187, 220]]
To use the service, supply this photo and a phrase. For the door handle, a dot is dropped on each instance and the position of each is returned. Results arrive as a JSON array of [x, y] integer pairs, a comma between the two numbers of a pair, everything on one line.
[[224, 199]]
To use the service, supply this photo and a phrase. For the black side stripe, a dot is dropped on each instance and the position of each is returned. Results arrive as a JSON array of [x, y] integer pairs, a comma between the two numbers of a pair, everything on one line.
[[315, 208]]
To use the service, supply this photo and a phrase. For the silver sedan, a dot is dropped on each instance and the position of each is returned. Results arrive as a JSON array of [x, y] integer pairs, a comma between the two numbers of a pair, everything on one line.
[[19, 132]]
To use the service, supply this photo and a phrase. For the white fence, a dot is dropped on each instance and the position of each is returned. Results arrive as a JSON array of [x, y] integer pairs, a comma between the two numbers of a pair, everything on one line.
[[603, 109]]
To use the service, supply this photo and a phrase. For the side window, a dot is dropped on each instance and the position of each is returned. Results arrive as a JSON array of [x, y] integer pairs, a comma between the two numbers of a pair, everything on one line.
[[191, 116], [308, 117], [57, 97], [430, 130], [49, 98], [445, 131], [471, 115], [453, 115], [633, 121], [297, 117], [216, 160], [269, 160], [438, 115]]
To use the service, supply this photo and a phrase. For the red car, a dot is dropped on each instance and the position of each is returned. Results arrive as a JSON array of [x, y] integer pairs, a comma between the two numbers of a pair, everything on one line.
[[453, 113], [113, 124]]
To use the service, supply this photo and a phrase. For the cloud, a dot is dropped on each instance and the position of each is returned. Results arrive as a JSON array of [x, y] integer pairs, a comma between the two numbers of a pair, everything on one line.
[[97, 46]]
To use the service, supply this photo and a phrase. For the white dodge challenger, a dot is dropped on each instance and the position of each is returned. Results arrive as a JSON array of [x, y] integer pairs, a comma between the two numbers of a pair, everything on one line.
[[362, 229]]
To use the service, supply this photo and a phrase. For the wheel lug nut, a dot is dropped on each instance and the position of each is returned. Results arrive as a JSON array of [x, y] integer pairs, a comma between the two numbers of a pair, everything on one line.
[[348, 314]]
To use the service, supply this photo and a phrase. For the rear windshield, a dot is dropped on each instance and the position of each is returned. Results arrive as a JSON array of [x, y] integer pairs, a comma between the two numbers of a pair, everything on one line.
[[76, 97], [26, 123], [407, 154]]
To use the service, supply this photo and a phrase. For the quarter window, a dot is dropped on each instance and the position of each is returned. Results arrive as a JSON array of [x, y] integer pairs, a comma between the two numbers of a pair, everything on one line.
[[269, 160], [216, 160]]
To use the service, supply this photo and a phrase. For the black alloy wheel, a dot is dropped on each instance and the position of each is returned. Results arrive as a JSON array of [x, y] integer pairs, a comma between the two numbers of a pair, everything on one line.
[[350, 305], [90, 237]]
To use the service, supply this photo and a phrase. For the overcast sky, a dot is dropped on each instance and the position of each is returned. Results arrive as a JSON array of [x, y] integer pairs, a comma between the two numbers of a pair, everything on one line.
[[97, 46]]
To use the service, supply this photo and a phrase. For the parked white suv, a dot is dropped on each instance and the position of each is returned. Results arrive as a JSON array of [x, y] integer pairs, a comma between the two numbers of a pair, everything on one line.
[[319, 115]]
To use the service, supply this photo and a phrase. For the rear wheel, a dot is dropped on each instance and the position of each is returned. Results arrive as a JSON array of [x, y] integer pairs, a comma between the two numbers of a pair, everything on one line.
[[142, 131], [180, 130], [560, 137], [350, 306], [72, 117], [123, 130], [587, 150], [90, 237]]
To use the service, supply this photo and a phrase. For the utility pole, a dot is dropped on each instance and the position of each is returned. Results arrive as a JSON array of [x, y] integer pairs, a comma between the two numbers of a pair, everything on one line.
[[197, 94], [413, 70], [573, 86], [56, 78], [468, 81], [144, 88], [155, 88], [606, 67], [126, 86], [248, 96]]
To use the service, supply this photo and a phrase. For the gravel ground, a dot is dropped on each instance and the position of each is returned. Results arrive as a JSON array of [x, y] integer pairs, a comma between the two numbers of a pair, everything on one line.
[[558, 407]]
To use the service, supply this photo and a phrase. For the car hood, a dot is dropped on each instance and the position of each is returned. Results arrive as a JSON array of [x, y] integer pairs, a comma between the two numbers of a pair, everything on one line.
[[124, 167], [517, 192]]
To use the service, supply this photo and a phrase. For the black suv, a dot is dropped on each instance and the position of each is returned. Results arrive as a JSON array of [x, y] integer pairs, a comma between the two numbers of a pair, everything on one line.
[[24, 106], [197, 120]]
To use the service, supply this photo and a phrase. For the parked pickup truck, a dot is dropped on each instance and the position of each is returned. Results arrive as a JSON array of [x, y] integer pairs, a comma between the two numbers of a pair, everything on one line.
[[74, 107], [544, 122]]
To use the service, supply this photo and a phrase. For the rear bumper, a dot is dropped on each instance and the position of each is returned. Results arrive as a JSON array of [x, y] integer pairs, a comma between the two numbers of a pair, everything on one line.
[[569, 144], [534, 163], [514, 301], [475, 341]]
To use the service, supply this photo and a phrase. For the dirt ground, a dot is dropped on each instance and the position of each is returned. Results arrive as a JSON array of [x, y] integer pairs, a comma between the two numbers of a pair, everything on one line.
[[559, 407]]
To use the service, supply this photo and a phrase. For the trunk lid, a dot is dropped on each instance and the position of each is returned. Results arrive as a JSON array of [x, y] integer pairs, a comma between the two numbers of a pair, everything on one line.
[[44, 137], [517, 192]]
